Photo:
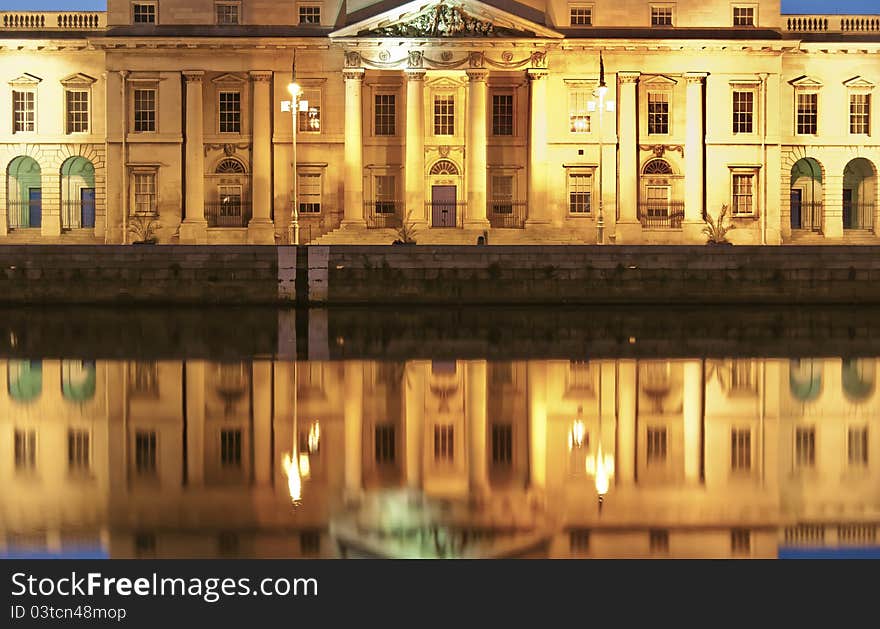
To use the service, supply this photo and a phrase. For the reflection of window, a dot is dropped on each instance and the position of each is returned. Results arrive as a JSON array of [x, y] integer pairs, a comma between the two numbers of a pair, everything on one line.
[[78, 380], [656, 445], [25, 379], [78, 450], [740, 449], [655, 378], [858, 378], [145, 453], [502, 444], [310, 542], [857, 446], [579, 540], [143, 378], [25, 450], [740, 541], [444, 443], [805, 379], [145, 544], [580, 375], [311, 379], [805, 447], [385, 444], [659, 541], [230, 448]]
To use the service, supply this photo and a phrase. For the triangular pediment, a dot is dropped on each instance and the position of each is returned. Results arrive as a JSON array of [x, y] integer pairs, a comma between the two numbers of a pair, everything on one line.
[[806, 82], [660, 81], [26, 79], [78, 79], [228, 79], [858, 82], [444, 19]]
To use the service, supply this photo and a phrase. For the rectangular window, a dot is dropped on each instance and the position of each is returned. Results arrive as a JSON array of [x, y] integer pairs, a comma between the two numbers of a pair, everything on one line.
[[661, 16], [740, 450], [580, 189], [309, 117], [860, 113], [502, 444], [227, 13], [230, 205], [743, 111], [656, 445], [743, 195], [444, 114], [385, 114], [385, 193], [744, 16], [657, 199], [143, 13], [658, 113], [25, 450], [143, 379], [502, 114], [309, 14], [659, 541], [145, 194], [578, 106], [230, 112], [807, 113], [385, 444], [857, 446], [145, 453], [580, 16], [805, 447], [502, 194], [23, 111], [230, 448], [144, 110], [740, 541], [444, 444], [77, 104], [309, 193], [78, 450]]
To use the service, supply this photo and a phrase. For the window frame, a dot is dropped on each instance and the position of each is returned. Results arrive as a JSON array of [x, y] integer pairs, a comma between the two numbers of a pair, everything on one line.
[[576, 94], [393, 103], [32, 445], [153, 470], [745, 171], [494, 117], [662, 6], [744, 5], [667, 94], [308, 172], [149, 87], [300, 6], [797, 111], [866, 94], [590, 6], [24, 90], [449, 97], [237, 121], [145, 3], [862, 460], [310, 94], [88, 110], [753, 118], [580, 171], [85, 467], [141, 171], [493, 200], [741, 444], [227, 3], [809, 462]]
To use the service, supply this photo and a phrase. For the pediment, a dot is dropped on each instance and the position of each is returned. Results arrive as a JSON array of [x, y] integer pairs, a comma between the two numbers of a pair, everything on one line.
[[806, 82], [26, 79], [444, 19], [660, 81], [78, 79], [858, 82], [228, 79]]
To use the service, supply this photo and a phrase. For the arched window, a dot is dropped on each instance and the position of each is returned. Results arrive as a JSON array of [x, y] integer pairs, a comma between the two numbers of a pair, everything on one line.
[[657, 167], [78, 380], [858, 378], [24, 379], [230, 167], [444, 167], [805, 379]]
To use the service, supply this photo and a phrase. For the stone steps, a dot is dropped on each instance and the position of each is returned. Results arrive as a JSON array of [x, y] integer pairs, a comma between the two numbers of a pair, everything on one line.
[[32, 236], [850, 237]]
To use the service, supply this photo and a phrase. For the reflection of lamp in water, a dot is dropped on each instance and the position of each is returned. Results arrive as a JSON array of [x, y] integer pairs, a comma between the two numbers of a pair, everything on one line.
[[314, 437], [292, 463], [578, 432], [294, 480], [600, 466]]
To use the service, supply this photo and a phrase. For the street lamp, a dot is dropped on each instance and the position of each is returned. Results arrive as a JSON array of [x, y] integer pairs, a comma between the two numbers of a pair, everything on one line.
[[294, 106], [600, 92]]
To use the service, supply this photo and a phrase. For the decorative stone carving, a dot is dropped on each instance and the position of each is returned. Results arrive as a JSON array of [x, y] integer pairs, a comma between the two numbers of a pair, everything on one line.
[[446, 55], [660, 149], [352, 59], [539, 59], [443, 150], [475, 59], [416, 59], [353, 74], [443, 20], [228, 149], [384, 55]]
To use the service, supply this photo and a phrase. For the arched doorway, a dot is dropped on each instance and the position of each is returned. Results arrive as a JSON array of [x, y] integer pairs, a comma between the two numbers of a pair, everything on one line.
[[24, 193], [444, 177], [859, 194], [806, 194], [230, 187], [660, 204], [77, 193]]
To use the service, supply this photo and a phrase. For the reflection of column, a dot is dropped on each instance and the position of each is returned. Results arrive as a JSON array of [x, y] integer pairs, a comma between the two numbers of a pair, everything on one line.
[[626, 418], [354, 141], [475, 414], [195, 422], [628, 156], [693, 413], [414, 172], [193, 228], [260, 228], [414, 394], [832, 220], [537, 384], [537, 209], [353, 414], [476, 169], [262, 411], [693, 148]]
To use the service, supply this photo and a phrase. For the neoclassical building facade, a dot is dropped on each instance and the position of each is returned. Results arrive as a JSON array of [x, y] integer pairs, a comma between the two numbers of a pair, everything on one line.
[[542, 121]]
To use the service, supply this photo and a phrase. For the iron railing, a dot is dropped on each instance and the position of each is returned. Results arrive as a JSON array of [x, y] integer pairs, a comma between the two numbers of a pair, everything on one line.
[[858, 216], [72, 212], [446, 213], [383, 214], [507, 214], [661, 214], [228, 213], [808, 217], [18, 213]]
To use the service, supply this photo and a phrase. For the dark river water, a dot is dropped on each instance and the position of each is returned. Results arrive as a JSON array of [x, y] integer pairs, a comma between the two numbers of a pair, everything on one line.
[[539, 432]]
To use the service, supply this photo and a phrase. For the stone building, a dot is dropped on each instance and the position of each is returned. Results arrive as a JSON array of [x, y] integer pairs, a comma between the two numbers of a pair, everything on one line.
[[542, 121]]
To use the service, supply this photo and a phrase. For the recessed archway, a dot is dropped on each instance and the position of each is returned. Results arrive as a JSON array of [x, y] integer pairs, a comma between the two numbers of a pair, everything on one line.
[[77, 193], [24, 193], [859, 194], [807, 194]]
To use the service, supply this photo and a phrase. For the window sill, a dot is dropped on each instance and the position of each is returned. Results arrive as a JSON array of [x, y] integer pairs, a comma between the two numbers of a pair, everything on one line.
[[580, 215]]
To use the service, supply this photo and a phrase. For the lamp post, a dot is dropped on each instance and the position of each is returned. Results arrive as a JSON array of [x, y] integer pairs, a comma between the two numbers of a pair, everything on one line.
[[294, 106], [600, 92]]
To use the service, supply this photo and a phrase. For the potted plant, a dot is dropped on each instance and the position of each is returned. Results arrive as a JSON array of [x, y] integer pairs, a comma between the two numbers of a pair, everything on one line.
[[406, 233], [143, 229], [716, 231]]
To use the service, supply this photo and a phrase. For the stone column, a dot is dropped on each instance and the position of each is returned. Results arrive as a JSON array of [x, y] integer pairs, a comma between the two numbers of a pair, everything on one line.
[[628, 159], [537, 198], [260, 228], [353, 416], [832, 217], [626, 417], [414, 172], [693, 155], [693, 419], [476, 168], [193, 230], [476, 416], [354, 154]]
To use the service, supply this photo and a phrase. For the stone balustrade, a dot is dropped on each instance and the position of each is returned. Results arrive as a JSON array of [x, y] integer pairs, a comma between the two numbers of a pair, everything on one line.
[[52, 20], [833, 24]]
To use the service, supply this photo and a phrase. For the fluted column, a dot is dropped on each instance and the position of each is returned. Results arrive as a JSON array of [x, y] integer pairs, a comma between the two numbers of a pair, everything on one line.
[[260, 228], [693, 149], [414, 172], [627, 196], [537, 198], [354, 140], [193, 230], [476, 148]]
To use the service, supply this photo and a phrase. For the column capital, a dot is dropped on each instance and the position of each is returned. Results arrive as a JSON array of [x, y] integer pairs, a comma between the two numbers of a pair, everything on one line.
[[695, 77], [415, 74], [193, 76], [353, 74], [628, 77], [477, 75], [535, 74], [260, 76]]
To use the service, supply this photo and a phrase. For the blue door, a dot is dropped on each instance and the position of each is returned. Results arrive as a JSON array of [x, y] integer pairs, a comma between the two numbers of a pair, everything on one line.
[[87, 206], [35, 207]]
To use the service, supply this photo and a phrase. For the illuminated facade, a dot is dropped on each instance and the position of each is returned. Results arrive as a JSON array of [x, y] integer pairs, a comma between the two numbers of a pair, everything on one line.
[[537, 122], [612, 458]]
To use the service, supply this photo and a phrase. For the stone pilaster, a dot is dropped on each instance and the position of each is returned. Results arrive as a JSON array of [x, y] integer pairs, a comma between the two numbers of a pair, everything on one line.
[[694, 170], [476, 169], [628, 228], [537, 168], [193, 230], [354, 156], [260, 228]]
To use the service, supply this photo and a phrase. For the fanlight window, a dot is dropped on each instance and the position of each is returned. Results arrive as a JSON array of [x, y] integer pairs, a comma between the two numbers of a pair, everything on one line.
[[657, 167], [230, 167], [858, 378], [444, 167], [805, 379]]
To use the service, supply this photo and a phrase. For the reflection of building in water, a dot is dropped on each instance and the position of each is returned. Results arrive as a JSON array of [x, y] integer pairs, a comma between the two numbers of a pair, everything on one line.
[[607, 458]]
